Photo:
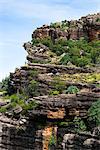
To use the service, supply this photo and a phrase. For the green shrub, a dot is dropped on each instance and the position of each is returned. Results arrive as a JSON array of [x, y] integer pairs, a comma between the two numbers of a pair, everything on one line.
[[58, 49], [3, 109], [94, 113], [14, 98], [32, 74], [72, 48], [79, 125], [62, 42], [19, 100], [6, 85], [53, 92], [55, 25], [47, 42], [65, 59], [64, 123], [72, 90], [62, 25], [82, 62], [59, 85], [31, 105], [94, 56], [32, 88], [98, 20], [52, 140], [35, 41]]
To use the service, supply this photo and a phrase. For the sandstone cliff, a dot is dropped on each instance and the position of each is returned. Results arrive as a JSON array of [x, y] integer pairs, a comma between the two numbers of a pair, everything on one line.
[[53, 93]]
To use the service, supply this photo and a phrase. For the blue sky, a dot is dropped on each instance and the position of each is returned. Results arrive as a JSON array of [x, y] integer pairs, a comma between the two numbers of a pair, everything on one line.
[[18, 18]]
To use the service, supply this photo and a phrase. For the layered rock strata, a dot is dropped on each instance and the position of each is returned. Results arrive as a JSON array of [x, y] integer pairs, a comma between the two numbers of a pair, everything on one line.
[[50, 125]]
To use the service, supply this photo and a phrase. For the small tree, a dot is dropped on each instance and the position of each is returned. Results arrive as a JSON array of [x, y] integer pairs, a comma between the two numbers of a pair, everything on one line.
[[7, 86], [72, 89], [32, 89], [94, 113]]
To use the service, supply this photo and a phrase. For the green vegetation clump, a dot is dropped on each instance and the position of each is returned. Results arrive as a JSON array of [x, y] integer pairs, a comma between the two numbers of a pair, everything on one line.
[[3, 110], [52, 140], [79, 52], [53, 92], [35, 41], [79, 125], [65, 59], [72, 90], [98, 20], [55, 25], [90, 78], [94, 113], [58, 85], [32, 88], [6, 85], [62, 25], [18, 100]]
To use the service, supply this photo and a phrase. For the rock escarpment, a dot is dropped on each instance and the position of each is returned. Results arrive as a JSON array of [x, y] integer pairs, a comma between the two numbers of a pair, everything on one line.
[[60, 94], [88, 27]]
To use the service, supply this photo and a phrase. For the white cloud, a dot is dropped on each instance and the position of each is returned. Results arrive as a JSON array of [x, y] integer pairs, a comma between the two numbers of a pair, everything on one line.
[[34, 9]]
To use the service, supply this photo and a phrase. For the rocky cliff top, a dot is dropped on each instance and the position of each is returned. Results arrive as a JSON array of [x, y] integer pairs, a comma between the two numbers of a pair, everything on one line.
[[87, 27]]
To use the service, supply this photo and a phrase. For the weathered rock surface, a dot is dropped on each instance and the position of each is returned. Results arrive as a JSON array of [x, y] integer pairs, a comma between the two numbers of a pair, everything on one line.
[[88, 27], [65, 105], [80, 141]]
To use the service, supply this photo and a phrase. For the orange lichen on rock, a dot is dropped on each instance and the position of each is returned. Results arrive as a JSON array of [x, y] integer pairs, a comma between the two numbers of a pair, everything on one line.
[[57, 114], [47, 133]]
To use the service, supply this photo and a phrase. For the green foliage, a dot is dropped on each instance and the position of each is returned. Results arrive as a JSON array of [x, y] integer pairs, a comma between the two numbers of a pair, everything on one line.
[[47, 42], [31, 105], [6, 85], [15, 98], [64, 123], [3, 109], [65, 59], [53, 92], [55, 25], [72, 90], [81, 62], [72, 48], [19, 100], [62, 25], [95, 51], [58, 49], [98, 20], [94, 113], [35, 41], [32, 74], [94, 56], [79, 124], [52, 140], [32, 88], [59, 85]]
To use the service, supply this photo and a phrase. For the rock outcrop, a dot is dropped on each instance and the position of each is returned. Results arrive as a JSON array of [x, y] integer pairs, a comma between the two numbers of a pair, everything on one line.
[[50, 124], [81, 141], [87, 27]]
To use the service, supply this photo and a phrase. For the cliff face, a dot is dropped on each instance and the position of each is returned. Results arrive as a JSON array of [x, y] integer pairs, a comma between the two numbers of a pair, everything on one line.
[[29, 135], [87, 27], [59, 94]]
